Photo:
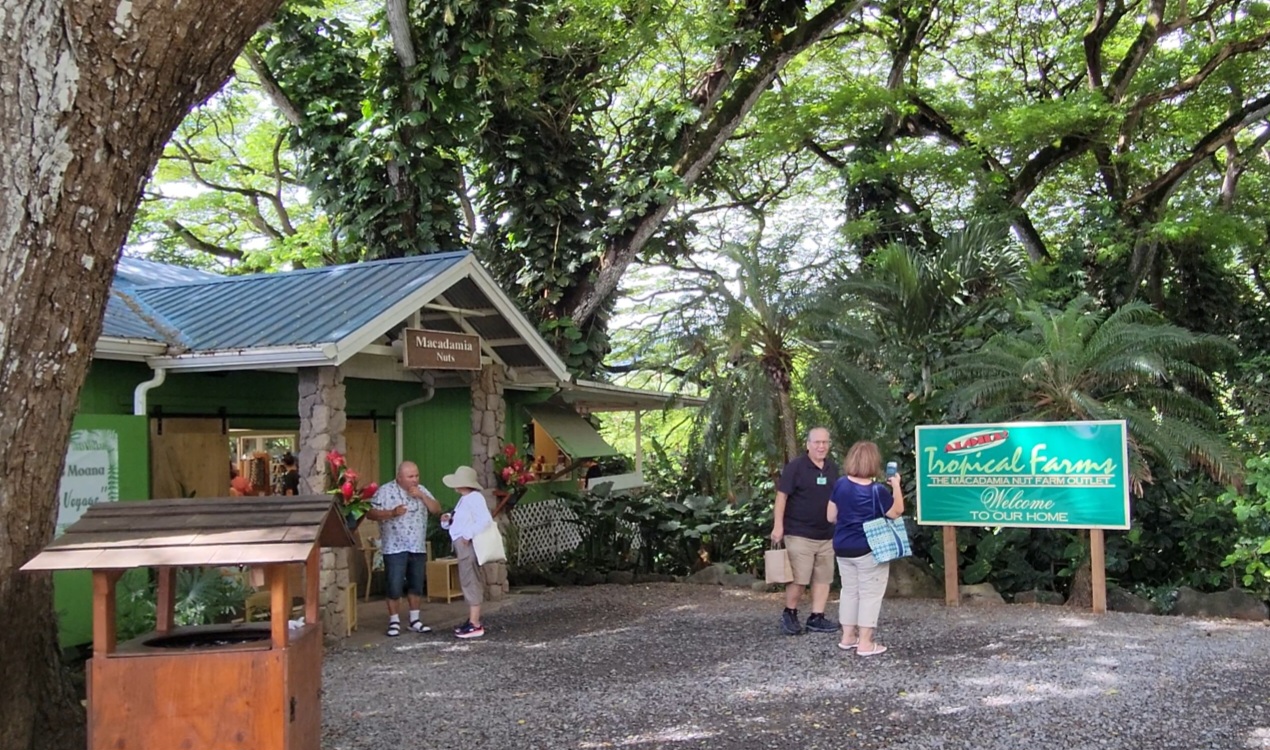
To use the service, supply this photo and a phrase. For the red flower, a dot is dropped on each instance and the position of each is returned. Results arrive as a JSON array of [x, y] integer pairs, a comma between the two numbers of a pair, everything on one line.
[[518, 465], [507, 473], [335, 459], [350, 475], [347, 491], [369, 491], [526, 478], [509, 450]]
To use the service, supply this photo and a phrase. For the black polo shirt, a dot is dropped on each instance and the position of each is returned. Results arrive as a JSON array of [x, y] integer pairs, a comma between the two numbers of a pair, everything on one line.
[[808, 489]]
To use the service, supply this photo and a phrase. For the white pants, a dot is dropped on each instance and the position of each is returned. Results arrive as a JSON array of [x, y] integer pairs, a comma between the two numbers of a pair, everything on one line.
[[863, 586]]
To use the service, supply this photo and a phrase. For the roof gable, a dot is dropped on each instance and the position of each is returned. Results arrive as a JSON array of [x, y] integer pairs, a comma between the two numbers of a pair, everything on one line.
[[297, 308], [313, 317]]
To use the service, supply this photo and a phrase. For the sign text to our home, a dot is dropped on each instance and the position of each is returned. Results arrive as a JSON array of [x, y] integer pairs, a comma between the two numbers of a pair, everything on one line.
[[442, 350]]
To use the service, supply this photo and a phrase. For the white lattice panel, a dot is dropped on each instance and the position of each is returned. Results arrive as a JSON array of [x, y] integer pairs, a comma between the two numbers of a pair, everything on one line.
[[545, 529]]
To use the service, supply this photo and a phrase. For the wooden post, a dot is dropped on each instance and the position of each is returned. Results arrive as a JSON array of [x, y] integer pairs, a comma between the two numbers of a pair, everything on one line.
[[952, 590], [104, 611], [1098, 570], [165, 600], [639, 445], [311, 584], [279, 603]]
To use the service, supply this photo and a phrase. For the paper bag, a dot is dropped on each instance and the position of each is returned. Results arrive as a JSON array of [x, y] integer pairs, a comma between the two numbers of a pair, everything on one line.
[[776, 566]]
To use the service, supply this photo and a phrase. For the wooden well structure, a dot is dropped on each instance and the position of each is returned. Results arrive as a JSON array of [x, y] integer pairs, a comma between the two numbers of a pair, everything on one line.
[[254, 686]]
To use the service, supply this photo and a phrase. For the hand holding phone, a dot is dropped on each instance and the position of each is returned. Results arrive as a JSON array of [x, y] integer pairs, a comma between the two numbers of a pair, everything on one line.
[[892, 468]]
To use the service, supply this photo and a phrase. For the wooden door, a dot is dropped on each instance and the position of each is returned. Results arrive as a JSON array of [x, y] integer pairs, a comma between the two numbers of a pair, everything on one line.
[[188, 458]]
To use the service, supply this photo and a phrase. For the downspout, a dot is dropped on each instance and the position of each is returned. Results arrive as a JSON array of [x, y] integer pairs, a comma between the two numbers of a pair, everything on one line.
[[139, 395], [399, 429]]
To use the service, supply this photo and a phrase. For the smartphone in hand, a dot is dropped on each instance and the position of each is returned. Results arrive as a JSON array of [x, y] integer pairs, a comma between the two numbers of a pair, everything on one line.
[[892, 468]]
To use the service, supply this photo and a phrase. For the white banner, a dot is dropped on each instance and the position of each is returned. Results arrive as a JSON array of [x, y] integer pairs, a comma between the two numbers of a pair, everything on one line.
[[91, 475]]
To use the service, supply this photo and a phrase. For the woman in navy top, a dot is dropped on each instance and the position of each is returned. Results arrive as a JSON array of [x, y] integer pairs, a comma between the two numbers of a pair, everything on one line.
[[858, 498]]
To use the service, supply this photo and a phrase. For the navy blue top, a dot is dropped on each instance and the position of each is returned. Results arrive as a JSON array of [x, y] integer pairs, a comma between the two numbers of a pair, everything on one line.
[[857, 503], [807, 488]]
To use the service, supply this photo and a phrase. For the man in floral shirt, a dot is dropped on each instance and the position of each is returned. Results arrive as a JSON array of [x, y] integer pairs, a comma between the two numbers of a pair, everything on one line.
[[401, 508]]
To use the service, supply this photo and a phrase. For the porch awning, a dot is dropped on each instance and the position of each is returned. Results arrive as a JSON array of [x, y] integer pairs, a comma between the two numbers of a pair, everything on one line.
[[571, 432]]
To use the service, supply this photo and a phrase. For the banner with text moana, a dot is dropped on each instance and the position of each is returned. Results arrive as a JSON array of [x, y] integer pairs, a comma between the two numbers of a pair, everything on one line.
[[1043, 474]]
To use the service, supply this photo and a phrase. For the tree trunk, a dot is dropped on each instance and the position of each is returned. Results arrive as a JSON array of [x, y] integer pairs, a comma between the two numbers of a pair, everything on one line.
[[92, 91]]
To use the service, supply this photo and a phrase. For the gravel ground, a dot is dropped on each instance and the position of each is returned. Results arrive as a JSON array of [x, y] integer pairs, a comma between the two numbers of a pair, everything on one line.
[[683, 666]]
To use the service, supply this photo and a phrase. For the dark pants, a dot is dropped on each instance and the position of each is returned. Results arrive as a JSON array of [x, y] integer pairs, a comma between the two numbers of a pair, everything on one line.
[[404, 570]]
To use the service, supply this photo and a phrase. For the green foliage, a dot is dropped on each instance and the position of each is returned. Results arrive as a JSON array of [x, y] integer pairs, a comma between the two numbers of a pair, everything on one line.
[[668, 528], [1081, 363], [203, 596], [1249, 560], [382, 144]]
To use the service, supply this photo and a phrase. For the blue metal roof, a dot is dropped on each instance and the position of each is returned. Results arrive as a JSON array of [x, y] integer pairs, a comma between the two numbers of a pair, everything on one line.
[[126, 319], [133, 272], [207, 312]]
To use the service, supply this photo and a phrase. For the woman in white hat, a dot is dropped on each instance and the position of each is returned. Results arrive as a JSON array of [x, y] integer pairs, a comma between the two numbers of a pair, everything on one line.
[[470, 517]]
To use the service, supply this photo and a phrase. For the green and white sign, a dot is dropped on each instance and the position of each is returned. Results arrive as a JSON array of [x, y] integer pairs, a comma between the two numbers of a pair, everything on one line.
[[1038, 474], [91, 475]]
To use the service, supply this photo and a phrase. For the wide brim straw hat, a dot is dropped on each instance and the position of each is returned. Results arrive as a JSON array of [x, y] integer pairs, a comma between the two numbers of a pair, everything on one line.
[[464, 476]]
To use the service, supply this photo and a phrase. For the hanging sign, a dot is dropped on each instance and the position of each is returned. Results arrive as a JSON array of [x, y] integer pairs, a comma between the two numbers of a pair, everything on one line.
[[1050, 474], [442, 350], [91, 475]]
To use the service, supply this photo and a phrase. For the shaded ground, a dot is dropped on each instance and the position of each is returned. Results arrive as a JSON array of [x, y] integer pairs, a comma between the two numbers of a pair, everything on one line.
[[681, 666]]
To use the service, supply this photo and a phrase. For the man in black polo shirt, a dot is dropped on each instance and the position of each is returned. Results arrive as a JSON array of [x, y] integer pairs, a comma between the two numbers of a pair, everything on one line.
[[802, 497]]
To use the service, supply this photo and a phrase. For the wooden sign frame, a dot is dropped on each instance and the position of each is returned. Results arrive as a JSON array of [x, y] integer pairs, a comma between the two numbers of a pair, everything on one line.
[[440, 350]]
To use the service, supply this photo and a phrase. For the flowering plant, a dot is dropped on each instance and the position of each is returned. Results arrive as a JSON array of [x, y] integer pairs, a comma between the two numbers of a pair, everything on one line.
[[355, 501], [512, 471]]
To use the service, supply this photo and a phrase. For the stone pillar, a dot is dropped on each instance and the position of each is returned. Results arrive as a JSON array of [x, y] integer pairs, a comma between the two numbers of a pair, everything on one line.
[[489, 420], [322, 422]]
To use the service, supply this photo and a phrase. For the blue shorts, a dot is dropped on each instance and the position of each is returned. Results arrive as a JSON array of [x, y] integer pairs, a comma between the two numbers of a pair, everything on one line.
[[404, 570]]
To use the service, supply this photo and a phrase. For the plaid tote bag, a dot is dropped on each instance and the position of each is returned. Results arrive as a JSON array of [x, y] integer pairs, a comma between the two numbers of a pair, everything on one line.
[[888, 537]]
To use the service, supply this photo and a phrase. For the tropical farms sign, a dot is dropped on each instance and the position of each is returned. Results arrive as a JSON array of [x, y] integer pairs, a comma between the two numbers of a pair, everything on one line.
[[1051, 474]]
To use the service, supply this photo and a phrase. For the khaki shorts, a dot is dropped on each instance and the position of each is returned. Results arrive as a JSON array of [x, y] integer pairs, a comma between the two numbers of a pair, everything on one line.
[[471, 577], [810, 560]]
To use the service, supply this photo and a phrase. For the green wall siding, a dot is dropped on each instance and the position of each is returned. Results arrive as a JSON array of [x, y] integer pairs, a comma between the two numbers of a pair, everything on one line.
[[438, 437], [109, 386], [267, 400], [73, 589], [518, 420]]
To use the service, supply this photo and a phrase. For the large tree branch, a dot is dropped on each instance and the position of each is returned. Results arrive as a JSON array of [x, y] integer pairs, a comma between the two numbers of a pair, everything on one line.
[[271, 88], [194, 242], [1237, 164], [1138, 51], [1045, 161], [1188, 84], [1159, 188], [700, 150], [1103, 25], [279, 207], [399, 28], [200, 179]]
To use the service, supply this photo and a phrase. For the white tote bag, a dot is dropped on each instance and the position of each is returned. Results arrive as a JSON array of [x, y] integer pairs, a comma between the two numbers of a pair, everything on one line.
[[488, 545]]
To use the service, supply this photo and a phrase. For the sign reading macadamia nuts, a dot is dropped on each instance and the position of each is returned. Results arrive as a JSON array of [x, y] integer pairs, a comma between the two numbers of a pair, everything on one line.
[[442, 350]]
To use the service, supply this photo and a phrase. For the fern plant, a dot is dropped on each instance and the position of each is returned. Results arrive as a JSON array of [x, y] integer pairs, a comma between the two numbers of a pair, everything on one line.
[[1082, 363]]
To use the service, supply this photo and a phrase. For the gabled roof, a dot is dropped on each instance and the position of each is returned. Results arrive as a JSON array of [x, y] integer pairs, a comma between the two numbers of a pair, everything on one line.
[[315, 316], [195, 531]]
